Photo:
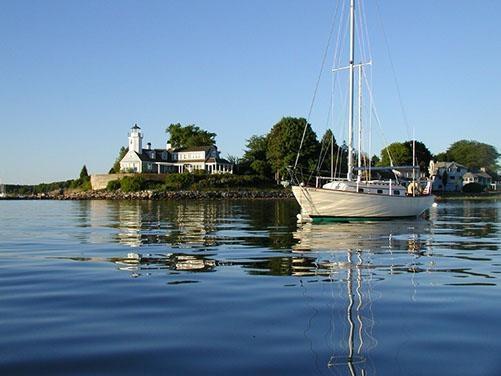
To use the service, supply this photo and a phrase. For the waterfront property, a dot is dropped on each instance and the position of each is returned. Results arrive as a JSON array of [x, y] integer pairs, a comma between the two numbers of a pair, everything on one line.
[[482, 178], [447, 176], [169, 159]]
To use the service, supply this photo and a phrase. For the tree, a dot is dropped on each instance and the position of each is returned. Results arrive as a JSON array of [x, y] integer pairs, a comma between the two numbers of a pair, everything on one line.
[[474, 154], [445, 180], [256, 148], [441, 157], [283, 145], [189, 136], [233, 159], [115, 169], [400, 155], [423, 155], [254, 160], [84, 175], [337, 154]]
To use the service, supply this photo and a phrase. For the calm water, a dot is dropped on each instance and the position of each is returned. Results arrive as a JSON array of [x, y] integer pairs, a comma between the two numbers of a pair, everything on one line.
[[239, 288]]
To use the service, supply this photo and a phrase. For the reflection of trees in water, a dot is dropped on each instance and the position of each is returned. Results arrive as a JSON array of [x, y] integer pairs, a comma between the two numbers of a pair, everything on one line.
[[265, 223], [467, 224], [271, 225]]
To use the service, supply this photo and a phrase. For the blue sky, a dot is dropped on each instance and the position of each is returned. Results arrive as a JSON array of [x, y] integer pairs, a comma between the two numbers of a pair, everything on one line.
[[76, 75]]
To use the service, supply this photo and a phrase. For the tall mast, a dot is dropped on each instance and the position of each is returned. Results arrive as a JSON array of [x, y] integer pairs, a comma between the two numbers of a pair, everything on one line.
[[350, 116], [359, 121], [332, 155]]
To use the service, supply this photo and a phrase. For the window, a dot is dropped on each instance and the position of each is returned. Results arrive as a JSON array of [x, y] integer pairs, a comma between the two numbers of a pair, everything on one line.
[[452, 177], [396, 192], [360, 190], [379, 191]]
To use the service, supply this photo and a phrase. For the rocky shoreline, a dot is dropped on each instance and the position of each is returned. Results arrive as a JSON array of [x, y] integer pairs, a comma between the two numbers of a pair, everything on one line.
[[155, 195]]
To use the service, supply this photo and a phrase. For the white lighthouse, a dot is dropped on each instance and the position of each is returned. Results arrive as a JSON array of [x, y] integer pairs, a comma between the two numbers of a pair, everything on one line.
[[136, 139]]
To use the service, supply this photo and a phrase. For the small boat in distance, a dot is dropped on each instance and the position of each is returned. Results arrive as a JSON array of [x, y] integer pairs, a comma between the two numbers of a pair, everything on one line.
[[2, 190], [357, 197]]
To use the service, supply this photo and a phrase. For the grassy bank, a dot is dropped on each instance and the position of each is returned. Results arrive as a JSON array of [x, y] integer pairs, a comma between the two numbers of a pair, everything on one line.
[[468, 196]]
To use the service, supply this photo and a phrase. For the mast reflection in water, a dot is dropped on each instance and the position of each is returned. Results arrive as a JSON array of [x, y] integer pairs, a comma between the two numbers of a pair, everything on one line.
[[237, 287]]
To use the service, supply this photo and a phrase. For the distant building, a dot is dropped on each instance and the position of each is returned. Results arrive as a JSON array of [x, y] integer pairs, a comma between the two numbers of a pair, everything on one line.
[[137, 159], [447, 176], [482, 178]]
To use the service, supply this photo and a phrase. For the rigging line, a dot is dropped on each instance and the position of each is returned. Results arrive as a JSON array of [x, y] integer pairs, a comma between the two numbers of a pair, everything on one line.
[[338, 49], [365, 35], [341, 32], [376, 117], [320, 159], [317, 84], [322, 154], [385, 37], [365, 29], [339, 155], [336, 58], [360, 35]]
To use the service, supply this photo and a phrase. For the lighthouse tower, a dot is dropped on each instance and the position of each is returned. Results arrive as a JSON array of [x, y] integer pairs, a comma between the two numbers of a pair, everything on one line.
[[136, 139]]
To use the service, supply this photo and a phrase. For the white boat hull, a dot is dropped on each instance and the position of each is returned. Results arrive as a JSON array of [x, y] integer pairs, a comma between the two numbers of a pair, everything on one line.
[[329, 203]]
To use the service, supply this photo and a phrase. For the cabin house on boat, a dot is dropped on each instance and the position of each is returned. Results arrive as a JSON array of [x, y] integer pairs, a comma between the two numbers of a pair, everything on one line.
[[168, 160], [447, 176]]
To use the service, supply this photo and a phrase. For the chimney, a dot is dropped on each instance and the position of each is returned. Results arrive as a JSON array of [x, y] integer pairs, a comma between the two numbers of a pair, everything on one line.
[[148, 146]]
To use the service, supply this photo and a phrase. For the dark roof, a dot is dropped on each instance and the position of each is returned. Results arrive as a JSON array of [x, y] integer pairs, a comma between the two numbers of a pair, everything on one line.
[[448, 164], [195, 148], [144, 156], [218, 160], [479, 174]]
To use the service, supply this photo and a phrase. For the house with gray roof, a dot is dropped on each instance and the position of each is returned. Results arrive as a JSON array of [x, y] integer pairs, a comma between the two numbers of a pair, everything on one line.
[[482, 178], [168, 160], [446, 176]]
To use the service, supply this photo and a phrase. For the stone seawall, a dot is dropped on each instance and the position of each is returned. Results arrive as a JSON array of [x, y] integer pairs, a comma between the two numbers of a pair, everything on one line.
[[100, 181], [152, 195]]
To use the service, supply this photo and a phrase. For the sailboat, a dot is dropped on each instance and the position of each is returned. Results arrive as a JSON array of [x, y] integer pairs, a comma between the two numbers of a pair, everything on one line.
[[353, 198]]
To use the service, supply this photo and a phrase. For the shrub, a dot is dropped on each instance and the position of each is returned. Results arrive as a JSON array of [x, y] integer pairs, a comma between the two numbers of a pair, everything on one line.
[[113, 185], [132, 183], [179, 181], [76, 183], [86, 186], [473, 188], [233, 181]]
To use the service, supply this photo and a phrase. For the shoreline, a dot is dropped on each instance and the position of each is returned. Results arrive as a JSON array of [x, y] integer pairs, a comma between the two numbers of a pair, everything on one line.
[[469, 196], [157, 196], [228, 194]]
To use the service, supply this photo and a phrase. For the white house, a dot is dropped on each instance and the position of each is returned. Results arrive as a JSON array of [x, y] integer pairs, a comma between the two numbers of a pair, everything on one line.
[[482, 178], [137, 159], [447, 176]]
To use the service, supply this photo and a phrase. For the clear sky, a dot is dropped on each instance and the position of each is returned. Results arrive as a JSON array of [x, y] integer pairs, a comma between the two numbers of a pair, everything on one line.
[[76, 75]]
